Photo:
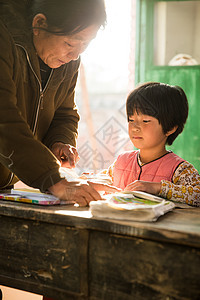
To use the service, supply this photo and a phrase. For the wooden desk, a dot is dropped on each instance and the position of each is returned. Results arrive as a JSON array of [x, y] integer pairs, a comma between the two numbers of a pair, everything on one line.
[[64, 253]]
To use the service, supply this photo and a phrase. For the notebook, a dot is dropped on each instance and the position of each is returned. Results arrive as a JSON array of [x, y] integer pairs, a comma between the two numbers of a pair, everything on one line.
[[32, 196]]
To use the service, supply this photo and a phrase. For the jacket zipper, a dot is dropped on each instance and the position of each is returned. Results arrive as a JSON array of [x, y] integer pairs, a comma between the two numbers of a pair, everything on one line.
[[40, 101]]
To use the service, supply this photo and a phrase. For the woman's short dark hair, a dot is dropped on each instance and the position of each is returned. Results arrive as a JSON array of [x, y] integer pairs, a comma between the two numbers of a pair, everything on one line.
[[167, 103], [66, 17]]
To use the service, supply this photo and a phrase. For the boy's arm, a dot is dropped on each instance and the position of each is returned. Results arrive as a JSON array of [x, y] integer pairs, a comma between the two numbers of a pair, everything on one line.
[[185, 185]]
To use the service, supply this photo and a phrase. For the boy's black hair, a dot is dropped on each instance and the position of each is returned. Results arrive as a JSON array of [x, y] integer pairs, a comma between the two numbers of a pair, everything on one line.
[[167, 103]]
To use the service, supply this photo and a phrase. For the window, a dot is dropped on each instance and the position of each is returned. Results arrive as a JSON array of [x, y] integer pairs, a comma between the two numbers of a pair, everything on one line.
[[104, 82]]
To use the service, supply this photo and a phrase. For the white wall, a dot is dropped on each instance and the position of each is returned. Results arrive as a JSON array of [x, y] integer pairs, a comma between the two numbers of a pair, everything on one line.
[[197, 32], [177, 27]]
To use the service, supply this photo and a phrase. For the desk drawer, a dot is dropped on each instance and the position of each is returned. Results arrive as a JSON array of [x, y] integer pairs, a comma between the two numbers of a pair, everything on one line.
[[130, 268]]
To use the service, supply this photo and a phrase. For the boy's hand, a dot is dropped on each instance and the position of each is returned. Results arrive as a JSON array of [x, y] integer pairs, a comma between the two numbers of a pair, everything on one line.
[[109, 189], [144, 186]]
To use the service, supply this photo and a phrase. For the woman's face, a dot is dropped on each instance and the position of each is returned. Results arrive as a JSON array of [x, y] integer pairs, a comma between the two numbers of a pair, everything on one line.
[[57, 50]]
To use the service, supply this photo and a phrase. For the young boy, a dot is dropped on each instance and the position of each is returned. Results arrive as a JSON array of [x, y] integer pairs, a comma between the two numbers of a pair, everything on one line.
[[156, 115]]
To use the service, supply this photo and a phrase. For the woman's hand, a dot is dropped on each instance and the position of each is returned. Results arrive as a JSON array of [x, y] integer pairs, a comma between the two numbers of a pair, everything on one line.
[[144, 186], [81, 192], [66, 154]]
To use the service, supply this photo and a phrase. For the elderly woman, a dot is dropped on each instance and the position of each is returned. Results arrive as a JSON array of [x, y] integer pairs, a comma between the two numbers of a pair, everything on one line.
[[41, 41]]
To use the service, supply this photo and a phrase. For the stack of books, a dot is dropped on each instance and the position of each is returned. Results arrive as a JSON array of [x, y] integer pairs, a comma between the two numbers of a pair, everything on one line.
[[132, 206]]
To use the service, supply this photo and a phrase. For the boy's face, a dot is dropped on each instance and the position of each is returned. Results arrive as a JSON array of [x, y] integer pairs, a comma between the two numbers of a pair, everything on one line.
[[146, 133]]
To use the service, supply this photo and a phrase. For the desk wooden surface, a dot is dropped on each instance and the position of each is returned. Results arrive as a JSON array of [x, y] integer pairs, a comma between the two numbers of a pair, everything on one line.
[[65, 253]]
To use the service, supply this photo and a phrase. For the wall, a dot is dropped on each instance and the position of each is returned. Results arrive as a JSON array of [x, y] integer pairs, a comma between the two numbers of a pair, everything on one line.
[[177, 27]]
